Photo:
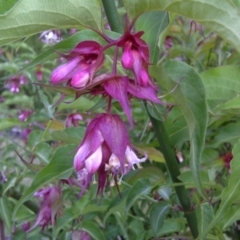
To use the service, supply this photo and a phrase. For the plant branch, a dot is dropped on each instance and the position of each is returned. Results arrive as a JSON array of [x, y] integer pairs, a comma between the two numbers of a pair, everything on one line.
[[112, 15], [174, 171]]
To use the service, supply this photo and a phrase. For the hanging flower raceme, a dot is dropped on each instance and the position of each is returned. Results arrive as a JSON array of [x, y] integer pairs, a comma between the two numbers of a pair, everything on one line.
[[51, 203], [82, 63], [105, 150]]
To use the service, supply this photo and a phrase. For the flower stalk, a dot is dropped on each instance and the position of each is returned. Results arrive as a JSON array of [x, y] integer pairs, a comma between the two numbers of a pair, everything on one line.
[[161, 134]]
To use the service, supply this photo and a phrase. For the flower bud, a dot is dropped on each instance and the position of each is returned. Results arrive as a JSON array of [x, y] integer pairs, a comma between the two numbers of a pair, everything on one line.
[[127, 57], [62, 73]]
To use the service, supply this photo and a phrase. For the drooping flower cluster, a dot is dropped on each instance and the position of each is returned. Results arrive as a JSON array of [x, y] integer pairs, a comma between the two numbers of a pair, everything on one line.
[[105, 150], [83, 61], [51, 203], [81, 71]]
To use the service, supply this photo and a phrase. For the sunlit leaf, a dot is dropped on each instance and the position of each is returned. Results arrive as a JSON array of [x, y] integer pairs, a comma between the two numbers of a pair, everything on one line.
[[6, 6], [28, 18]]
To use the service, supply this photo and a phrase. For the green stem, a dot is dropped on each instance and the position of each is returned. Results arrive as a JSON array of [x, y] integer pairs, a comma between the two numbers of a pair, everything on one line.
[[112, 15], [162, 137], [174, 171]]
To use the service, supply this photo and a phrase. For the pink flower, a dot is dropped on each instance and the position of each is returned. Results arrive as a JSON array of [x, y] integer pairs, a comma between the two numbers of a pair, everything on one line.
[[82, 63], [14, 83], [105, 150], [168, 42], [51, 37], [25, 134], [135, 56], [24, 115], [73, 119], [122, 89], [25, 226], [51, 202]]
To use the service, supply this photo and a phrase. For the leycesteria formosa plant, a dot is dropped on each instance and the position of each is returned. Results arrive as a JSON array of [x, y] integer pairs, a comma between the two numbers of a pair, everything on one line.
[[88, 148], [106, 150]]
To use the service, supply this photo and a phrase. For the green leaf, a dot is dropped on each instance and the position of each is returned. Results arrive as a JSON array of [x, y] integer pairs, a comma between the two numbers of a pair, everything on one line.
[[152, 23], [153, 174], [188, 179], [59, 167], [190, 97], [81, 104], [221, 84], [93, 230], [43, 151], [50, 109], [176, 127], [165, 193], [204, 215], [31, 166], [117, 205], [169, 226], [69, 214], [213, 14], [19, 100], [230, 194], [37, 16], [6, 212], [237, 3], [59, 89], [6, 6], [226, 133], [152, 153], [9, 184], [34, 138], [69, 135], [140, 188], [158, 214], [9, 123], [232, 215], [63, 46]]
